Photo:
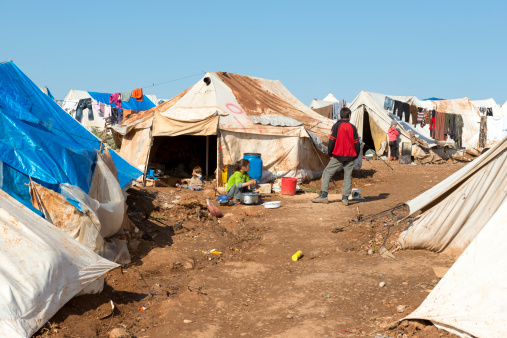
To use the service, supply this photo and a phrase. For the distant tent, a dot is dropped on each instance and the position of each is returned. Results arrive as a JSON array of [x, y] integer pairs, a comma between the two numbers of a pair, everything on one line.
[[327, 101], [433, 99], [373, 121], [46, 91], [466, 215], [96, 119], [225, 116]]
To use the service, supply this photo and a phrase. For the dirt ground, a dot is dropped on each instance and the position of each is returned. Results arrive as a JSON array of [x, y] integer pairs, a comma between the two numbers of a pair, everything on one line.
[[195, 276]]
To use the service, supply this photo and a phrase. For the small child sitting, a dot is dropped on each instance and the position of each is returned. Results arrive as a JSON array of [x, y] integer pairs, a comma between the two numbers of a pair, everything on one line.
[[239, 181], [196, 182]]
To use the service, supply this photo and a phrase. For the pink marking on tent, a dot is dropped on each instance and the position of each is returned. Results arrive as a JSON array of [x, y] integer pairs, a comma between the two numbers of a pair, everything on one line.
[[258, 128], [229, 105], [244, 129]]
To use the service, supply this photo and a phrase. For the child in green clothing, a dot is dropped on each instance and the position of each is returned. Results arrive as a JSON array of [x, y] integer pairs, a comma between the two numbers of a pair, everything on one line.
[[239, 181]]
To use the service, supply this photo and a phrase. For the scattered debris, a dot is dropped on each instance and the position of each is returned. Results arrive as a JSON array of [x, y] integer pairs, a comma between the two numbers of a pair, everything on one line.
[[187, 321], [382, 284], [336, 230], [401, 308]]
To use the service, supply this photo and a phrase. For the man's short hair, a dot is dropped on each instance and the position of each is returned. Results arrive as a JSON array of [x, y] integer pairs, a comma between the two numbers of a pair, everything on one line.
[[198, 170], [345, 112]]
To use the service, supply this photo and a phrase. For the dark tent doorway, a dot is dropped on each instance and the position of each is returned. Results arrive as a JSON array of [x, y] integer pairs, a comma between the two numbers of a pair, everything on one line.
[[178, 155]]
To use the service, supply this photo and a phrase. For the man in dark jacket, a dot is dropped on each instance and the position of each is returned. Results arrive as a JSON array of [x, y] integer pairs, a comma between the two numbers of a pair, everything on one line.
[[343, 149]]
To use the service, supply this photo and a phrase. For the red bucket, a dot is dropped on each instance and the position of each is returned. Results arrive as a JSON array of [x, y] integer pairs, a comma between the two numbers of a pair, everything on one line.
[[289, 185]]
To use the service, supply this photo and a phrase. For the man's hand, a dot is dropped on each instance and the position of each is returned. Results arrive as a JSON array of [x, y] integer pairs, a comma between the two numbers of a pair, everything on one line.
[[331, 158]]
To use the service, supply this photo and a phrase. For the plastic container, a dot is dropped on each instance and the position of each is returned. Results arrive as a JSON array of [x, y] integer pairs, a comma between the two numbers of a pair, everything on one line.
[[223, 199], [297, 256], [255, 171], [289, 185]]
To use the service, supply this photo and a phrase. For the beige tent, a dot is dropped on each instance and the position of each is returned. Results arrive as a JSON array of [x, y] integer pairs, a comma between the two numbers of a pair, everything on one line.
[[456, 209], [220, 118]]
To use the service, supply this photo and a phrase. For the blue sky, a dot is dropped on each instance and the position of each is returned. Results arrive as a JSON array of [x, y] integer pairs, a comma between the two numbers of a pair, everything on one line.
[[447, 49]]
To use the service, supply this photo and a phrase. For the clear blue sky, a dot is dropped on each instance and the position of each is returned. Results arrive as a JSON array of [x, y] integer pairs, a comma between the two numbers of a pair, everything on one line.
[[447, 49]]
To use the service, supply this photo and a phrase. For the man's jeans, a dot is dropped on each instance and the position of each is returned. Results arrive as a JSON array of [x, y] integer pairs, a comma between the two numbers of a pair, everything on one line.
[[333, 166]]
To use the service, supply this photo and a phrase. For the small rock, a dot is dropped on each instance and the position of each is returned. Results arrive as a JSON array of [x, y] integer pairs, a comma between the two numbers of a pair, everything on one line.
[[434, 281], [187, 321], [382, 284], [290, 316], [405, 283], [370, 252], [327, 296], [119, 332], [401, 308]]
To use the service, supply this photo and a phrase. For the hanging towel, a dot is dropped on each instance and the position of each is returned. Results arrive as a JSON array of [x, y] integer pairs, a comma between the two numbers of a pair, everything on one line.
[[107, 111], [126, 96], [126, 113], [115, 98], [138, 94], [439, 126]]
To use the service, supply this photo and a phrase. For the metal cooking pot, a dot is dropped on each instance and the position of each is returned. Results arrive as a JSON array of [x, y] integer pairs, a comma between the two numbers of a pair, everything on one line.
[[249, 198]]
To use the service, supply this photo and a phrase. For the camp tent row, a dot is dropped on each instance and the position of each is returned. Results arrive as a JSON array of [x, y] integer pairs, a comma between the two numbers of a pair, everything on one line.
[[61, 196], [466, 215], [373, 121], [228, 115], [97, 120], [327, 101]]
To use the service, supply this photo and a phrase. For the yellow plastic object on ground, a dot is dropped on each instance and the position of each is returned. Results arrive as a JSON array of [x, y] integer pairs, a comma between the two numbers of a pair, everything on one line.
[[297, 256]]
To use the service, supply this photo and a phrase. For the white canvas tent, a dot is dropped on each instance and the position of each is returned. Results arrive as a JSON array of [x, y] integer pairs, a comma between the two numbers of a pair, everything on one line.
[[372, 105], [471, 299], [41, 269], [327, 101], [244, 115], [455, 210]]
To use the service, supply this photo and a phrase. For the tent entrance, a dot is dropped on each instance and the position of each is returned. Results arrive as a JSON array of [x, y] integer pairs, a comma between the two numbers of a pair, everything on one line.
[[178, 155], [373, 135]]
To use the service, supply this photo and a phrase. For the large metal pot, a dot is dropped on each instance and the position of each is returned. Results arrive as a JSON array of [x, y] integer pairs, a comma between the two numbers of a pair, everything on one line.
[[249, 198]]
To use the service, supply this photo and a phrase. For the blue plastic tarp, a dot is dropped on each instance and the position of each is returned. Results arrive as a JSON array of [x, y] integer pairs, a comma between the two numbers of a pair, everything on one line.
[[133, 104], [39, 139], [433, 99]]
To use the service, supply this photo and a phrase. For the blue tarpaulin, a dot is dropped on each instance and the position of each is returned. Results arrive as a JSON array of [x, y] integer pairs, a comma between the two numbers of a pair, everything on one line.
[[133, 104], [433, 99], [39, 139]]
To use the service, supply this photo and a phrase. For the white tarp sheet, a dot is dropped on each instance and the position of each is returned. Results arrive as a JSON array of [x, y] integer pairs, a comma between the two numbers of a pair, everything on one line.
[[41, 269], [471, 299]]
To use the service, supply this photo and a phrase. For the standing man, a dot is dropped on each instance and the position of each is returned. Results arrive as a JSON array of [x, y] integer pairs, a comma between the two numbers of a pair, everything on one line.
[[343, 149]]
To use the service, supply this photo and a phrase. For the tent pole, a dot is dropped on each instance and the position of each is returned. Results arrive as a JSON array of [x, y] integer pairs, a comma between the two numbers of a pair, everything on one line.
[[207, 155]]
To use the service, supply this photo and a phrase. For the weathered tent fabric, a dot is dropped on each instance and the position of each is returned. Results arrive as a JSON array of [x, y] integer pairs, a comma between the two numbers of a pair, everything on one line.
[[470, 299], [167, 126], [239, 102], [42, 269], [456, 209], [326, 111], [40, 140], [327, 101]]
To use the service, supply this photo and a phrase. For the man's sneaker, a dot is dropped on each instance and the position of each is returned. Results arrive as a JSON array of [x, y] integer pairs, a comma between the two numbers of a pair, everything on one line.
[[345, 202], [320, 199]]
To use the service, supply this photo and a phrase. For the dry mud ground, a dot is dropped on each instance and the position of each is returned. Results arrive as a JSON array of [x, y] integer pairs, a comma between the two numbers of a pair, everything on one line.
[[176, 287]]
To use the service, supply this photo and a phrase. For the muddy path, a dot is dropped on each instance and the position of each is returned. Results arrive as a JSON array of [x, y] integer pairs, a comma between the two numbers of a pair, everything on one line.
[[249, 286]]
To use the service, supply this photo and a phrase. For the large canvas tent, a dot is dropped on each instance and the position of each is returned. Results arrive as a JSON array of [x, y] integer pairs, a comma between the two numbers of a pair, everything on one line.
[[228, 115], [373, 121], [455, 210], [466, 215], [45, 152], [97, 120]]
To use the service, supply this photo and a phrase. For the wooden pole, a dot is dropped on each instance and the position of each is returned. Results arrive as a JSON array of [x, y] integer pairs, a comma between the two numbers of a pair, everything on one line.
[[207, 155]]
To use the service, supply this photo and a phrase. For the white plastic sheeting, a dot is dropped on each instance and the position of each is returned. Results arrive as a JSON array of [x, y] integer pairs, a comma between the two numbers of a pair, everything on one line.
[[41, 269], [456, 209], [471, 299]]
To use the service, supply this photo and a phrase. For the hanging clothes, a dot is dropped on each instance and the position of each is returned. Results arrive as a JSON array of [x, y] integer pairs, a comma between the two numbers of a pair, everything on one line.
[[447, 124], [406, 111], [420, 115], [427, 117], [126, 113], [459, 131], [138, 94], [81, 105], [388, 103], [398, 109], [489, 112], [115, 98], [439, 126], [413, 113], [452, 127], [483, 132], [126, 96], [107, 111], [495, 128]]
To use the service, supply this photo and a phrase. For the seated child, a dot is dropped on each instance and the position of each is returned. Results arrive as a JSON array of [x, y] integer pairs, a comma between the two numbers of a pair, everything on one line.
[[239, 181], [196, 182]]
